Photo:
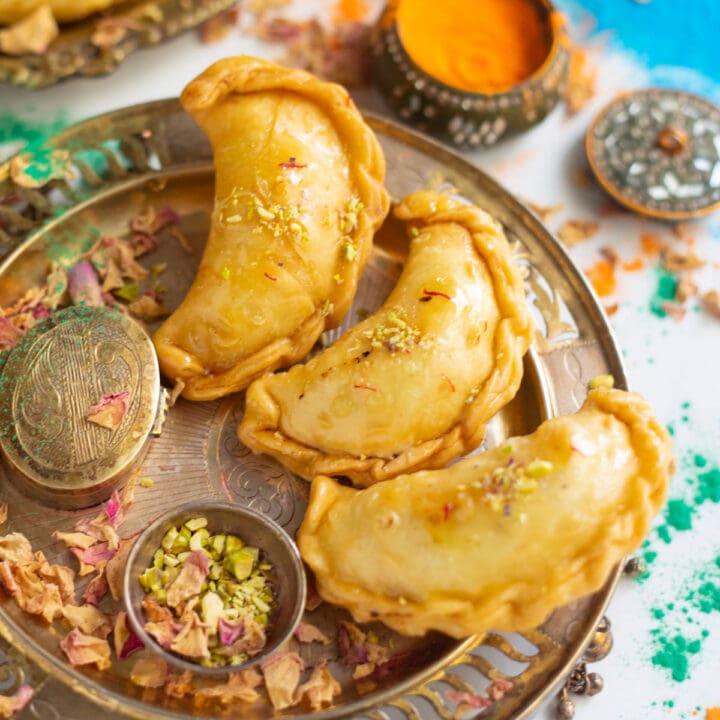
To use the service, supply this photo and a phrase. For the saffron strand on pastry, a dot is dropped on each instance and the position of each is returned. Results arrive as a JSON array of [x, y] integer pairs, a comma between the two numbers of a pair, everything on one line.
[[500, 539], [298, 195], [413, 385]]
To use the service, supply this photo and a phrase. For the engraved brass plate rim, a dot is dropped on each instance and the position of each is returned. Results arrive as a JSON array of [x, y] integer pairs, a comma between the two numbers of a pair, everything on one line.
[[573, 345], [73, 53]]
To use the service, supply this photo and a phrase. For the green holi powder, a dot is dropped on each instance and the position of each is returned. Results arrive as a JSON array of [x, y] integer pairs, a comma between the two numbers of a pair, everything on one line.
[[665, 292], [700, 460], [24, 131], [663, 532], [708, 486], [674, 655], [671, 429], [678, 515]]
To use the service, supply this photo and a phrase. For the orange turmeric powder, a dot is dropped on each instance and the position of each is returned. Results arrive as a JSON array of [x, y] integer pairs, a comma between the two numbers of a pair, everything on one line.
[[482, 46]]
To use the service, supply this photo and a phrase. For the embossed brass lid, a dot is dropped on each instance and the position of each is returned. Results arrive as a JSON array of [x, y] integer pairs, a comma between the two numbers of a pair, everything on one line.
[[63, 367], [657, 152]]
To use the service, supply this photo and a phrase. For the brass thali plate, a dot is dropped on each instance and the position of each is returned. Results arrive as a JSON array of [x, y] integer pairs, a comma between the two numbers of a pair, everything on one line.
[[99, 43], [155, 153]]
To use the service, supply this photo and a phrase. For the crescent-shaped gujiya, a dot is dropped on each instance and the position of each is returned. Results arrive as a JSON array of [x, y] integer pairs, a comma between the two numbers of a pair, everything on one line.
[[500, 539], [298, 196], [413, 385]]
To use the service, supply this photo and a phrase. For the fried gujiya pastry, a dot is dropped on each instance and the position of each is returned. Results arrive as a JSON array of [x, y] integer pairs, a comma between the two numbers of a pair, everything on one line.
[[63, 10], [413, 385], [500, 539], [298, 196]]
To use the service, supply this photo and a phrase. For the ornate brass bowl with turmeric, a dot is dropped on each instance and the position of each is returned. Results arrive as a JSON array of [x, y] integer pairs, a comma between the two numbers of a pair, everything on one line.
[[471, 72]]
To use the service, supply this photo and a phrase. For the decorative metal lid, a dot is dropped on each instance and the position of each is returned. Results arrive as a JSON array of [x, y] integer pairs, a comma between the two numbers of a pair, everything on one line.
[[79, 397], [657, 152]]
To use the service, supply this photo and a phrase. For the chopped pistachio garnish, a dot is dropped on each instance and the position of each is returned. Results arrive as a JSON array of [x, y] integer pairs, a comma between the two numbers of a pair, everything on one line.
[[225, 580], [511, 482], [395, 334], [604, 381]]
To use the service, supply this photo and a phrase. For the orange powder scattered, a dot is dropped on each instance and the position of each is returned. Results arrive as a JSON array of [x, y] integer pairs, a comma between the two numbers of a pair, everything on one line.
[[602, 277], [712, 713], [633, 265], [650, 244], [350, 11], [483, 46]]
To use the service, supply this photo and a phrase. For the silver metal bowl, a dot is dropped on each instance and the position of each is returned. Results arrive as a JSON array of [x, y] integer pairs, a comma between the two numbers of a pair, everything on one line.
[[287, 573]]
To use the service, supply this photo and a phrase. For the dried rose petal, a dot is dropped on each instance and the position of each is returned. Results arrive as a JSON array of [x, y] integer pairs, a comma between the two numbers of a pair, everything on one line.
[[15, 548], [497, 689], [147, 307], [94, 558], [33, 34], [116, 565], [82, 649], [282, 677], [125, 641], [575, 231], [582, 79], [178, 686], [60, 576], [3, 513], [75, 539], [190, 578], [84, 286], [192, 640], [96, 590], [351, 644], [88, 619], [250, 642], [151, 672], [307, 633], [711, 302], [545, 212], [12, 704], [321, 687], [240, 686], [110, 410], [9, 334], [230, 630]]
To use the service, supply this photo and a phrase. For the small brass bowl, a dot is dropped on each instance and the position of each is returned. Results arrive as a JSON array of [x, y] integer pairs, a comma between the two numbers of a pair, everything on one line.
[[467, 119], [288, 575]]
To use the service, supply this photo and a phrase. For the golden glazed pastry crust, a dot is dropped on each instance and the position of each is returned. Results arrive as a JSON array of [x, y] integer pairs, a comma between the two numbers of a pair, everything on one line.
[[476, 546], [63, 10], [298, 195], [413, 385]]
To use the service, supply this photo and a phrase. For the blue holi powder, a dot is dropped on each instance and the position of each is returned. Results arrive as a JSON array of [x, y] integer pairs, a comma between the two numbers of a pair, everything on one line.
[[663, 34]]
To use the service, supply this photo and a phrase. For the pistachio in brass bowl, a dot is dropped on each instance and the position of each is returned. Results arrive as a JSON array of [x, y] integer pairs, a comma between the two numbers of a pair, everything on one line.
[[439, 71], [214, 588]]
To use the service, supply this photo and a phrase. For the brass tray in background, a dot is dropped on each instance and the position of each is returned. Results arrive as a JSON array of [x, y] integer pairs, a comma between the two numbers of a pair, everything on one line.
[[155, 153], [74, 52]]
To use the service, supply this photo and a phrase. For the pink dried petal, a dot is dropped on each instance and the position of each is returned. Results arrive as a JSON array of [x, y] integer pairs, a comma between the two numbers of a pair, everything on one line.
[[12, 704], [75, 539], [84, 285], [88, 619], [351, 645], [82, 649], [282, 677], [93, 557], [142, 243], [9, 334], [497, 689], [125, 640], [110, 410], [321, 687], [192, 640], [468, 700], [116, 565], [151, 672], [15, 548], [307, 633], [165, 216], [7, 579], [113, 507], [230, 630], [178, 686], [250, 642], [147, 307], [96, 589]]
